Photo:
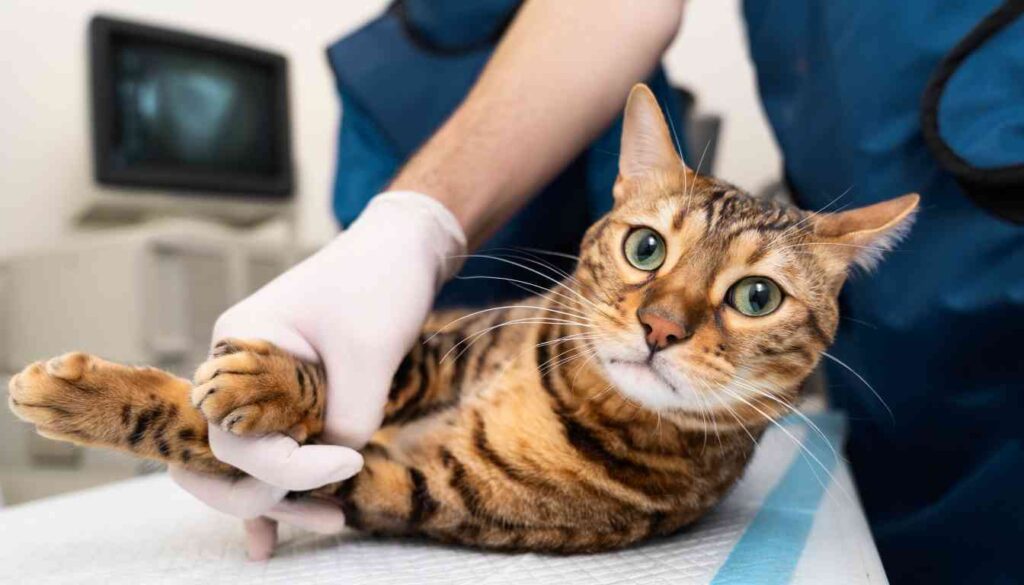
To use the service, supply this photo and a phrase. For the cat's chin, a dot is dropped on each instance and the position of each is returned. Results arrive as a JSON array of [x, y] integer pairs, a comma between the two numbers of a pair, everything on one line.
[[650, 385]]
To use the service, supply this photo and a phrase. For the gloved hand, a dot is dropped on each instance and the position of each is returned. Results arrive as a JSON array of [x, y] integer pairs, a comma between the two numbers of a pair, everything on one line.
[[357, 306]]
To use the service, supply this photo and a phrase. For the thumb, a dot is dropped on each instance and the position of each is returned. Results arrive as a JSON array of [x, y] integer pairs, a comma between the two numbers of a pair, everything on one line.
[[278, 460], [352, 418], [246, 497], [260, 538]]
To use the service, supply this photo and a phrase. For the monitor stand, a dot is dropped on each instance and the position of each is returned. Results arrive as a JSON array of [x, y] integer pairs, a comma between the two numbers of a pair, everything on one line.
[[109, 207]]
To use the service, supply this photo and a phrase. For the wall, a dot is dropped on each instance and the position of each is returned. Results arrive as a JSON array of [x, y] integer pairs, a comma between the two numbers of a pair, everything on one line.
[[45, 166], [45, 160], [710, 58]]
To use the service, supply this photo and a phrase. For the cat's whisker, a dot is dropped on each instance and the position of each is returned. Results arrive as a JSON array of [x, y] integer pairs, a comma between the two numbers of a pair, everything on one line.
[[584, 288], [558, 359], [892, 416], [541, 263], [602, 392], [793, 409], [811, 215], [531, 288], [806, 244], [573, 337], [704, 413], [471, 339], [693, 184], [732, 412], [807, 452], [688, 190], [492, 309], [555, 281], [802, 449], [675, 137], [533, 259], [510, 363], [548, 252], [725, 406], [859, 322], [584, 337], [711, 415], [593, 354], [577, 352], [578, 355]]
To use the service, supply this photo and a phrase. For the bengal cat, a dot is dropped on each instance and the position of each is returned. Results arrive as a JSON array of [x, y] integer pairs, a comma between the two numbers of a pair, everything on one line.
[[574, 421]]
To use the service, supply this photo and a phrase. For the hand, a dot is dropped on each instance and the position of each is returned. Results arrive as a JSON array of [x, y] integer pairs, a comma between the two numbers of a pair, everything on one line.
[[356, 306]]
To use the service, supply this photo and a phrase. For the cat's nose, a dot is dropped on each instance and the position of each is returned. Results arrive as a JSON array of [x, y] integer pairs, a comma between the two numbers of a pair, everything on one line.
[[661, 331]]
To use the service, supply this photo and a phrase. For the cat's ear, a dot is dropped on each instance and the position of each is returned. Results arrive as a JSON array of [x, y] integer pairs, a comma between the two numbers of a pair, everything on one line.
[[646, 142], [860, 237]]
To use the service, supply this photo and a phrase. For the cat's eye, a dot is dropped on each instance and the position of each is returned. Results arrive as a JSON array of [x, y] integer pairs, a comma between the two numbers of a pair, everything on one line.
[[645, 249], [755, 296]]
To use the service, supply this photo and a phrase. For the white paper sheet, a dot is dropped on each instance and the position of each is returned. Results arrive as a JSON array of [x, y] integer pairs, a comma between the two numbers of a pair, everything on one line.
[[147, 531]]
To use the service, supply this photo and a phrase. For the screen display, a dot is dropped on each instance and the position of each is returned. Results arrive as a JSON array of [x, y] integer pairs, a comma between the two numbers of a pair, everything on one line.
[[183, 109]]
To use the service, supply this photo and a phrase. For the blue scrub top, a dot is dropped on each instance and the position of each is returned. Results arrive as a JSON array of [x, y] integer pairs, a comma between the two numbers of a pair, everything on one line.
[[876, 98], [867, 98], [400, 76]]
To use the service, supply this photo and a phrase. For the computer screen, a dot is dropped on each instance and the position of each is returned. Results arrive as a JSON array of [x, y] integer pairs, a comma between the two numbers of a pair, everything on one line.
[[180, 111]]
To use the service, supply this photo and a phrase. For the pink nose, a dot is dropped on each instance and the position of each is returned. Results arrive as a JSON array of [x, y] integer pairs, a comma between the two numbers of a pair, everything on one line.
[[660, 331]]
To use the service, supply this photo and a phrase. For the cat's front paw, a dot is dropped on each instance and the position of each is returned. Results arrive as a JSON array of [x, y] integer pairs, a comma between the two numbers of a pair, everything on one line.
[[252, 387], [81, 398]]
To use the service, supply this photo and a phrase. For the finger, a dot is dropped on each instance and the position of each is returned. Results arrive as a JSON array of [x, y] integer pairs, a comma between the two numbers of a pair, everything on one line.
[[311, 514], [278, 460], [351, 418], [246, 497], [260, 538]]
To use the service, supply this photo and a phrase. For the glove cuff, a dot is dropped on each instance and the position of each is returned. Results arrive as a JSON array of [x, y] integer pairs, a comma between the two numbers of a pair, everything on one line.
[[446, 236]]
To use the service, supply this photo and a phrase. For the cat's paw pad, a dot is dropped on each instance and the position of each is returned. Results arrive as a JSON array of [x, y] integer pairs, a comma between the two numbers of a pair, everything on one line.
[[252, 387], [70, 366], [60, 396]]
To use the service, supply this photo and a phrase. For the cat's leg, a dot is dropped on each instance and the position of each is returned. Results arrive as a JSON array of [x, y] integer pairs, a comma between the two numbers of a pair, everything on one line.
[[452, 498], [247, 387], [89, 401]]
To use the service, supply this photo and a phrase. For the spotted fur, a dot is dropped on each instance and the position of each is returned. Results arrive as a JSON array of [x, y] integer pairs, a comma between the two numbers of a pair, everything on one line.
[[549, 425]]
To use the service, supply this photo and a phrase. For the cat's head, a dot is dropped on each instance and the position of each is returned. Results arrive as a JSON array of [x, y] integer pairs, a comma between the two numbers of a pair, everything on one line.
[[702, 297]]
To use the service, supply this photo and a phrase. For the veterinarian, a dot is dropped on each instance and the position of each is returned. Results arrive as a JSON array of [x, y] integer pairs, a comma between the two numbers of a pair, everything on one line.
[[489, 124]]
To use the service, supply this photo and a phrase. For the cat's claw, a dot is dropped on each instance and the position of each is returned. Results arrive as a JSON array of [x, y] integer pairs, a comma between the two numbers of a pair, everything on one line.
[[251, 387]]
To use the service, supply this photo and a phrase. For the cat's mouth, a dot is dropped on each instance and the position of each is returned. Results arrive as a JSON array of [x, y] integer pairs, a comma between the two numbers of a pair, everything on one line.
[[647, 365], [654, 382]]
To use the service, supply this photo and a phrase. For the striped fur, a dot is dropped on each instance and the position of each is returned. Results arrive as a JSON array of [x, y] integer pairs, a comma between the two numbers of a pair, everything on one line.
[[544, 426]]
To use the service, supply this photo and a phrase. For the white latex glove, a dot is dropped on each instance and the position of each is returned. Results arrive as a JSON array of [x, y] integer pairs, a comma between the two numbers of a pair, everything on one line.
[[357, 306]]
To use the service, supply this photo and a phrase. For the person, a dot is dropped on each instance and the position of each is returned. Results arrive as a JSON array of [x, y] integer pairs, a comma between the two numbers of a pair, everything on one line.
[[867, 98]]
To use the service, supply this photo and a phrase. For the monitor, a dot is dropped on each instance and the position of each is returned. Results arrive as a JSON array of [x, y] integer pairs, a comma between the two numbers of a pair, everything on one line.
[[188, 116]]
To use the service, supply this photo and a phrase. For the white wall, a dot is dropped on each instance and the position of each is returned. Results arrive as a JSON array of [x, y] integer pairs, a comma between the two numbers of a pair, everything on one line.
[[45, 165], [710, 58], [45, 156]]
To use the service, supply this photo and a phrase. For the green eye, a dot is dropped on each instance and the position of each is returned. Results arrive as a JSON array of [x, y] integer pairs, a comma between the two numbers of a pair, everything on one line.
[[755, 296], [645, 249]]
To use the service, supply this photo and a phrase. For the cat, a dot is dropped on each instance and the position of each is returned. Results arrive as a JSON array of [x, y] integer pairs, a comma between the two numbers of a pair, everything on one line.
[[575, 421]]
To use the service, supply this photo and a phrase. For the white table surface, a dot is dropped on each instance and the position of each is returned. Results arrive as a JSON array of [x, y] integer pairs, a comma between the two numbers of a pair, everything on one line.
[[147, 531]]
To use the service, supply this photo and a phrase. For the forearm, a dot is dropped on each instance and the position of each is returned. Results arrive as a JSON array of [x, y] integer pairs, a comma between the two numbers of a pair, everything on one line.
[[556, 80]]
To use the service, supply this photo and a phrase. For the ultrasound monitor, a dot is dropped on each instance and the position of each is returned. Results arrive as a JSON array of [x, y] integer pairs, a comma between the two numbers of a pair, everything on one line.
[[190, 117]]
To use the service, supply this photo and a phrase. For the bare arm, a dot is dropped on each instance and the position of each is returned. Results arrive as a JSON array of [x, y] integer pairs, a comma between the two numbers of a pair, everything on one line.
[[558, 77], [556, 80]]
